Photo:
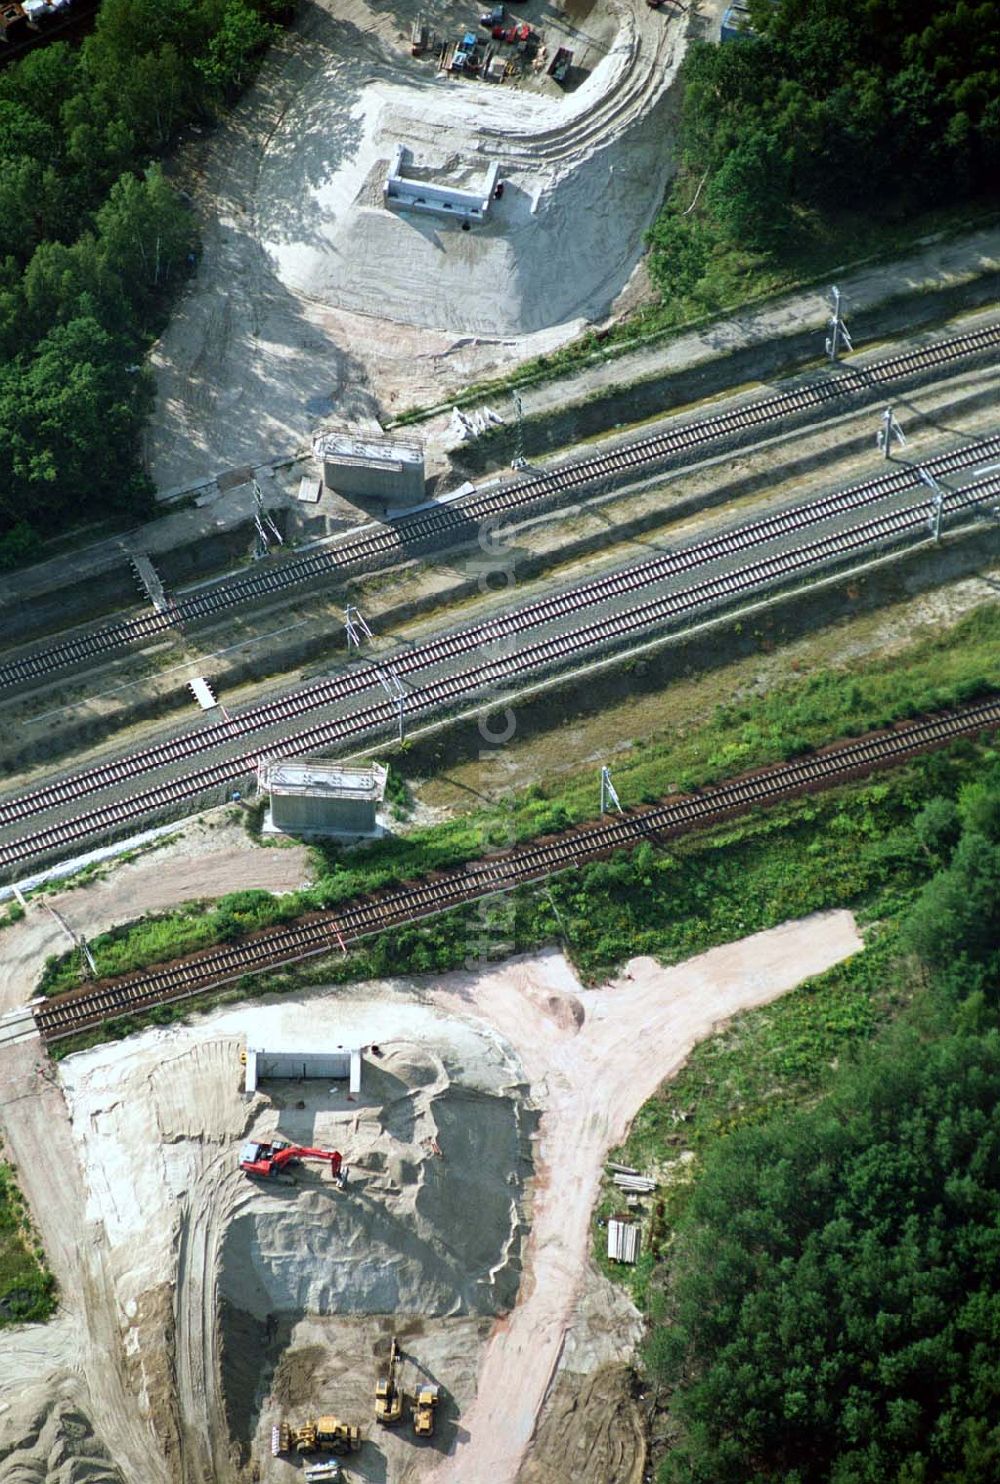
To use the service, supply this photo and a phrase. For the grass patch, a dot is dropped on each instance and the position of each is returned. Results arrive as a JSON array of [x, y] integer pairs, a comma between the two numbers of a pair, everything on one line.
[[166, 935], [27, 1288]]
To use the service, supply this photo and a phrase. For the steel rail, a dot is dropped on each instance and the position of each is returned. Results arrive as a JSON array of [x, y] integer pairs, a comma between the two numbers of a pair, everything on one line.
[[413, 902], [743, 538], [411, 531], [880, 531]]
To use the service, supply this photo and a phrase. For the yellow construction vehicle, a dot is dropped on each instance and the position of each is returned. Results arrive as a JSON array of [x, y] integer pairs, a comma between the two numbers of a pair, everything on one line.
[[327, 1434], [423, 1409], [388, 1397]]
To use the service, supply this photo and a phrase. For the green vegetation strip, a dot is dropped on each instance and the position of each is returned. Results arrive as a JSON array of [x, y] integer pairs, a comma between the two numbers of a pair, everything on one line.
[[27, 1288], [686, 911]]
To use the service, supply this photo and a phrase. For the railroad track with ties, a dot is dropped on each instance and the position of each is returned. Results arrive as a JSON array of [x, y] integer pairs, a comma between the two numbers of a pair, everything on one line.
[[615, 627], [327, 932], [446, 521]]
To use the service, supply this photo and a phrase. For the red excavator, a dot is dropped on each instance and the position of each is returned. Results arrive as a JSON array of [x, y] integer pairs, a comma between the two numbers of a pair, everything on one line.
[[268, 1160]]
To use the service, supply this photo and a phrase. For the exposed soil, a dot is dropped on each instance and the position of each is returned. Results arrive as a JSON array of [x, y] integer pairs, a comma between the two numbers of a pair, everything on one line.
[[591, 1432], [218, 1306], [312, 297], [46, 1437]]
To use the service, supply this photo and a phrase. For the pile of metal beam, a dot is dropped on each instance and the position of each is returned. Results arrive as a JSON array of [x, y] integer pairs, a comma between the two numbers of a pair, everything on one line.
[[628, 1179]]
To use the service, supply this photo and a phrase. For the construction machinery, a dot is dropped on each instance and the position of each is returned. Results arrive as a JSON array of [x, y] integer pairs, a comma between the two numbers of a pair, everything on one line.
[[560, 65], [388, 1397], [331, 1470], [317, 1435], [424, 1407], [266, 1161]]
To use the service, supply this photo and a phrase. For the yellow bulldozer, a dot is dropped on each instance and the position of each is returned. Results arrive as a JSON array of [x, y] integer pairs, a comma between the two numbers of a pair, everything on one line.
[[321, 1434], [388, 1397], [424, 1405]]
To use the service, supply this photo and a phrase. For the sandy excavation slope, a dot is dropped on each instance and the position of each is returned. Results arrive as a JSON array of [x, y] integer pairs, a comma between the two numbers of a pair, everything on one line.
[[198, 1308], [312, 298]]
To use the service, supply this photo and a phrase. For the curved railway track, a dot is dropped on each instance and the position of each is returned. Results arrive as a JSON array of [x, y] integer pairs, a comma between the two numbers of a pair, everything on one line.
[[878, 532], [326, 932], [440, 524], [783, 523]]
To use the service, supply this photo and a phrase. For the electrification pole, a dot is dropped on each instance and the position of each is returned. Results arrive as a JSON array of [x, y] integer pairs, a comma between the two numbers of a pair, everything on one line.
[[838, 330], [937, 503], [518, 461], [889, 430], [264, 526], [609, 795], [393, 687], [355, 627]]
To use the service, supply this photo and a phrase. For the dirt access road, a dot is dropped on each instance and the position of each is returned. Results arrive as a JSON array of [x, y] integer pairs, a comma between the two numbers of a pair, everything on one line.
[[593, 1057]]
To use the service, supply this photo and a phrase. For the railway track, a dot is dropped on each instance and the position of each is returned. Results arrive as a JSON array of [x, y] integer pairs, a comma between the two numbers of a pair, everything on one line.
[[444, 523], [484, 677], [782, 523], [325, 932]]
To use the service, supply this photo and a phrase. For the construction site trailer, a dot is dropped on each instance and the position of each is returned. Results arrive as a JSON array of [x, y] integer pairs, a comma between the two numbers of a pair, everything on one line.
[[315, 797], [341, 1065], [413, 193], [388, 471]]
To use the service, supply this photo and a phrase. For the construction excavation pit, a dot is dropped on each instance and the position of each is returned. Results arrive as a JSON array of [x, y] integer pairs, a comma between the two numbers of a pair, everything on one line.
[[289, 1286], [379, 222], [381, 1272]]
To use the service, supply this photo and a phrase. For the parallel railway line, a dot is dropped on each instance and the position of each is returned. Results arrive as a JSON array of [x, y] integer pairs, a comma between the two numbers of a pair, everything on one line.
[[325, 932], [440, 524], [782, 523], [617, 626]]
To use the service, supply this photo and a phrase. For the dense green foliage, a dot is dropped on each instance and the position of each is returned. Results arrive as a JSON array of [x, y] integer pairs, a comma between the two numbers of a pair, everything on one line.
[[830, 1308], [93, 242], [27, 1289], [835, 1292], [830, 110]]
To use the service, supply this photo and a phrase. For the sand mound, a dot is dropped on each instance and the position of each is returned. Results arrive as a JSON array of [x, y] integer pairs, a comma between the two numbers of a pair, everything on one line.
[[420, 1232], [45, 1438]]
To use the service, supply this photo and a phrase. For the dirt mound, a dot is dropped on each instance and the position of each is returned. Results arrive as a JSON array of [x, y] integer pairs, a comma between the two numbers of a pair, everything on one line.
[[55, 1441], [591, 1432]]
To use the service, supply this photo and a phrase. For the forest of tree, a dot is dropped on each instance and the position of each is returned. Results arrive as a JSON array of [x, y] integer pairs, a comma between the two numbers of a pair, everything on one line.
[[94, 241], [833, 1306], [831, 106]]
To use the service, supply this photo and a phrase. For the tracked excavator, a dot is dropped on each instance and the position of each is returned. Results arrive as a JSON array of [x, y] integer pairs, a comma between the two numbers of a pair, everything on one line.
[[265, 1161], [388, 1397], [317, 1435]]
